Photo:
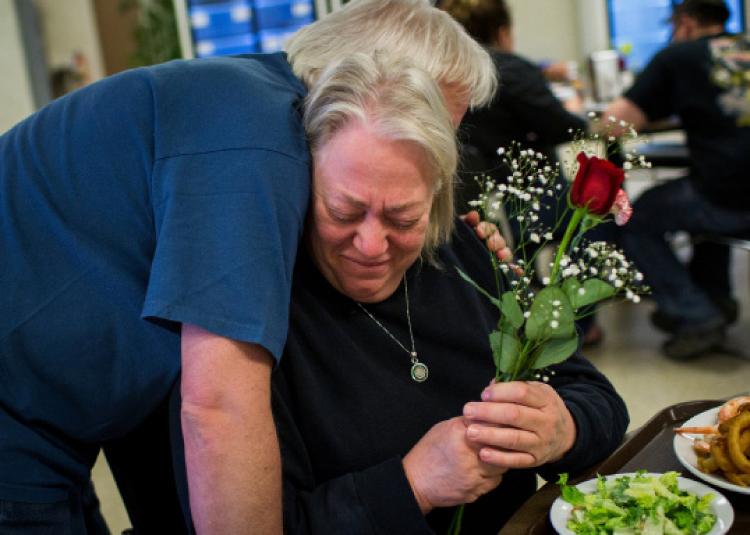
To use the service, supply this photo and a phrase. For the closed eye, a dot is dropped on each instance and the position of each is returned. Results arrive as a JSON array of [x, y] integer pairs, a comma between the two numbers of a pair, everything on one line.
[[345, 217], [404, 224]]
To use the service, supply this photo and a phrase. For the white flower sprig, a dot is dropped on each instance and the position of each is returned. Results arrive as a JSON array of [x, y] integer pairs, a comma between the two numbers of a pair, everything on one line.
[[536, 329]]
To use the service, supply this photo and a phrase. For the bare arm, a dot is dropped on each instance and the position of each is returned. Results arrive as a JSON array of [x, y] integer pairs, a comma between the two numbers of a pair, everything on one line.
[[623, 109], [231, 449]]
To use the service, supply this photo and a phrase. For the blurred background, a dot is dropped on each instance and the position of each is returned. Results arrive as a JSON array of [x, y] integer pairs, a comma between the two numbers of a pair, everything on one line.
[[49, 47]]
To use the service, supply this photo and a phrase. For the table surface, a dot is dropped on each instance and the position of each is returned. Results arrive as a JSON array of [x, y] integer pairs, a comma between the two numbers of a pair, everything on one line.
[[649, 448]]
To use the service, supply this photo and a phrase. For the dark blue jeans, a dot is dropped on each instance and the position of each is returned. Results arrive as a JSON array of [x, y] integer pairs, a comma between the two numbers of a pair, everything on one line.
[[660, 211], [45, 481], [77, 515]]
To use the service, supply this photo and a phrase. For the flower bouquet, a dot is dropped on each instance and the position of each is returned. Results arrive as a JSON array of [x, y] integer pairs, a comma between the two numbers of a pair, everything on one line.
[[537, 323]]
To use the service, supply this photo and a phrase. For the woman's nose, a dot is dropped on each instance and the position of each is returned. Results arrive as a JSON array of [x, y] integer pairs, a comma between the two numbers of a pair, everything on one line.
[[371, 239]]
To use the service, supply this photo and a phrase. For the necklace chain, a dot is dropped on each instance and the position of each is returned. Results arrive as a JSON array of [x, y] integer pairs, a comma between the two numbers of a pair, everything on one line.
[[418, 369]]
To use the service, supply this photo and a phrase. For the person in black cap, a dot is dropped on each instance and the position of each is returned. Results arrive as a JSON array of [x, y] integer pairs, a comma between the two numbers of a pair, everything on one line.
[[696, 79]]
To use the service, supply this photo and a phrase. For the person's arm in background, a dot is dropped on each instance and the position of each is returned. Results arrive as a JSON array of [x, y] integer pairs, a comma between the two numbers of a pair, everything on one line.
[[536, 107], [231, 449], [623, 109]]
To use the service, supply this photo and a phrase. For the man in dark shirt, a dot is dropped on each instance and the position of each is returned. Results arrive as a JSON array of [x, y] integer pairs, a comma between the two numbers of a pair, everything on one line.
[[695, 79], [524, 111]]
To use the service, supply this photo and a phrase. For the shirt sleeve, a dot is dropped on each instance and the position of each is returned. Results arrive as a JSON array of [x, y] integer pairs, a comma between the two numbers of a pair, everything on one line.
[[536, 107], [653, 88], [228, 227], [229, 186], [600, 416]]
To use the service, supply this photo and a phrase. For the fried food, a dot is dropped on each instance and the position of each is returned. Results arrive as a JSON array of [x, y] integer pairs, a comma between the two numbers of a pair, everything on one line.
[[728, 451], [734, 429]]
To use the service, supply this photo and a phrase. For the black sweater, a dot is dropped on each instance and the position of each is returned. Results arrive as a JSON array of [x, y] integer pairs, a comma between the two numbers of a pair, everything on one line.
[[348, 411]]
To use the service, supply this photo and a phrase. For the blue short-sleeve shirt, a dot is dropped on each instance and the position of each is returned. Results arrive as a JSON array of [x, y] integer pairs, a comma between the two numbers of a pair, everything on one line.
[[163, 195]]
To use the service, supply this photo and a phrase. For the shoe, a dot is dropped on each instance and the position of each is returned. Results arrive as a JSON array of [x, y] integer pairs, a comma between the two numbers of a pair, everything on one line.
[[688, 344], [728, 307], [663, 322]]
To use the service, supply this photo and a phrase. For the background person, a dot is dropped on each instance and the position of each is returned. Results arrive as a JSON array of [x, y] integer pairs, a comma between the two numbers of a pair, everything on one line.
[[369, 445], [694, 302], [524, 111], [159, 233]]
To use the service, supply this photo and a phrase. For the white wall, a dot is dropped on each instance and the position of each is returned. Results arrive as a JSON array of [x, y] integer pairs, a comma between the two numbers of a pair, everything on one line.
[[546, 29], [68, 27], [15, 87]]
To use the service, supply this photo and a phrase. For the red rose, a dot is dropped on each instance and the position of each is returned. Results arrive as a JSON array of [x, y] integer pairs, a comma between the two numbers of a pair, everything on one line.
[[596, 185]]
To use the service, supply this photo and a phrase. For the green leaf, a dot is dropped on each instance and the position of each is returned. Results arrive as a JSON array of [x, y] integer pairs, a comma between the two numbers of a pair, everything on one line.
[[512, 310], [556, 351], [505, 350], [571, 288], [494, 300], [591, 291], [551, 316]]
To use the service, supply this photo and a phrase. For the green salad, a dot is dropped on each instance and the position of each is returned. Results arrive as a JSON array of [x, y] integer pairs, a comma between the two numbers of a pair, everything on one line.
[[639, 505]]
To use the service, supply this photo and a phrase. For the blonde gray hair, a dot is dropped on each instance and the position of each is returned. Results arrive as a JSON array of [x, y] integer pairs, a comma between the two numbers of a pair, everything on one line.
[[412, 28], [399, 101]]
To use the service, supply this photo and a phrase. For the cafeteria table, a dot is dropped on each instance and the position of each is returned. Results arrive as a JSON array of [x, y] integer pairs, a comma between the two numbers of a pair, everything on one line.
[[648, 448]]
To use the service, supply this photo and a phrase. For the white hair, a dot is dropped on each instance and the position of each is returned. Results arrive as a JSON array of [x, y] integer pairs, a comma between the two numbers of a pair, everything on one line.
[[413, 28]]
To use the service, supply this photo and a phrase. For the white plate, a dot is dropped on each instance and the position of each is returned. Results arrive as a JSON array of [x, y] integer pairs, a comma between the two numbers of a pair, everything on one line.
[[683, 448], [560, 512]]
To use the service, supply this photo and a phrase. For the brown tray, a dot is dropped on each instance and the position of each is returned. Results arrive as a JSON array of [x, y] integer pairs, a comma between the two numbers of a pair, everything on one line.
[[649, 448]]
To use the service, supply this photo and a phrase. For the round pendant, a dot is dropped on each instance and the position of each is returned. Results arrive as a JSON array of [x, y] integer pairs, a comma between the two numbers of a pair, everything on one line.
[[419, 372]]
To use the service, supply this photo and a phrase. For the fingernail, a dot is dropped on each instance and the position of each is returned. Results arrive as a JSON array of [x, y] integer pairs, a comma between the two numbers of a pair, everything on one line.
[[470, 410], [472, 432]]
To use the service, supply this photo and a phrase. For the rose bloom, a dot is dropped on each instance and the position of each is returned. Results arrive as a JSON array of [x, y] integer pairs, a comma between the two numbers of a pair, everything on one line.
[[596, 184]]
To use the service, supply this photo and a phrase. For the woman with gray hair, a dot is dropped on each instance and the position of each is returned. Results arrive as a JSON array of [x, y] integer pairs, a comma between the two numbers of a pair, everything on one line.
[[158, 235], [376, 398]]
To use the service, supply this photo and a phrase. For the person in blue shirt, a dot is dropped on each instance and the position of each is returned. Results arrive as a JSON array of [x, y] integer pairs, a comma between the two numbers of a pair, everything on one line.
[[377, 399], [150, 223]]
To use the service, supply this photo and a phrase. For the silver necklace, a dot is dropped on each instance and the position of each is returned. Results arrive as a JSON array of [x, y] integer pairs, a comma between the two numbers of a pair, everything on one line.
[[419, 370]]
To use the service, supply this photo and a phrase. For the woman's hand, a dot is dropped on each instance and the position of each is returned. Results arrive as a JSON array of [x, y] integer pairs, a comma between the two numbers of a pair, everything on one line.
[[489, 233], [520, 425], [444, 469]]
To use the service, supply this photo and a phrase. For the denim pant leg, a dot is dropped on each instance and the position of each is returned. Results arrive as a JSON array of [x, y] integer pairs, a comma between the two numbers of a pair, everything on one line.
[[710, 268], [77, 515], [45, 482], [664, 209]]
